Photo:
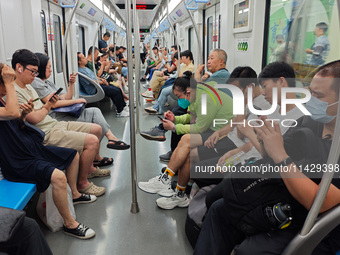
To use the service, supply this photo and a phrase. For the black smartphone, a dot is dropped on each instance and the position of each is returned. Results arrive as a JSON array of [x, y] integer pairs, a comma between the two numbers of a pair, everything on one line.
[[56, 93], [160, 118], [38, 98]]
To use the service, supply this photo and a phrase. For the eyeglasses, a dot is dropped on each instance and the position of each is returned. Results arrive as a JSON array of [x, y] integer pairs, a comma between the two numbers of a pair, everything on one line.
[[33, 73]]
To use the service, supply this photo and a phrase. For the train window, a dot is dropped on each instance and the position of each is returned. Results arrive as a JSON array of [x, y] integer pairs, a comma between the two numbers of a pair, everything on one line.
[[210, 28], [44, 32], [306, 42], [81, 39], [191, 36], [58, 42]]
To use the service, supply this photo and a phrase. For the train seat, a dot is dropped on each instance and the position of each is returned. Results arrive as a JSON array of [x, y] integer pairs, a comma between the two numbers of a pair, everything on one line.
[[91, 98], [16, 195]]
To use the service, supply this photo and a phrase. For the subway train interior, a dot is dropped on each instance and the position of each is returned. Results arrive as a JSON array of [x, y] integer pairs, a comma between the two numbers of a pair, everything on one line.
[[129, 218]]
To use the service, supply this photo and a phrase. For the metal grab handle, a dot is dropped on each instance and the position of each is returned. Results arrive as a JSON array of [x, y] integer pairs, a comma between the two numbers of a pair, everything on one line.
[[134, 204], [175, 35], [200, 48], [63, 55], [67, 6], [93, 48]]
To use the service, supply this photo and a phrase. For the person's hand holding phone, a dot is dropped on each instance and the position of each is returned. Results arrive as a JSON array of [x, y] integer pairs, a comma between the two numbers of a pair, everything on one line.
[[169, 116], [26, 108]]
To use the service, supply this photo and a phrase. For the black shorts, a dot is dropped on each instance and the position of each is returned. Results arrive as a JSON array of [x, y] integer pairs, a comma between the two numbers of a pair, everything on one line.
[[221, 147]]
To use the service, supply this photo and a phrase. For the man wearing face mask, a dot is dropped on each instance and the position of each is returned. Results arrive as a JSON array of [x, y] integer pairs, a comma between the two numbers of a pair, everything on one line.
[[199, 120], [220, 235]]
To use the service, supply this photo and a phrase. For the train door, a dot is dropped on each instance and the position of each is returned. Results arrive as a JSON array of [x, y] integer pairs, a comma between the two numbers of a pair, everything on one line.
[[212, 29], [52, 15]]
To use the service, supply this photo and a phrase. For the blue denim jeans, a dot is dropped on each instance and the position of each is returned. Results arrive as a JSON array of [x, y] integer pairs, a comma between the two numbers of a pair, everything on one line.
[[159, 106]]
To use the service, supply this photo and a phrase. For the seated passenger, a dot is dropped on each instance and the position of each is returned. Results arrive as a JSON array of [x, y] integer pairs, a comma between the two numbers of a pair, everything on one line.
[[111, 91], [155, 61], [103, 42], [166, 88], [196, 123], [45, 88], [221, 233], [83, 137], [24, 158], [217, 66]]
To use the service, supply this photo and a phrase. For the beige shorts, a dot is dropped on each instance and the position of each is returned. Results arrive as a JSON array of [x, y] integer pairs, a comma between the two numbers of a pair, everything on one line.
[[68, 134]]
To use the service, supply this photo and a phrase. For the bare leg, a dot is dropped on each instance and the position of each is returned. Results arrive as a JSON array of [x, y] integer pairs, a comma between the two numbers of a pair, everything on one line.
[[97, 131], [182, 151], [87, 157], [194, 156], [184, 173], [71, 175], [59, 193]]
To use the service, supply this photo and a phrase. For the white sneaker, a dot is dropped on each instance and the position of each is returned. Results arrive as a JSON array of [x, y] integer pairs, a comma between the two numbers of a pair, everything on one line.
[[179, 199], [150, 110], [156, 184], [123, 113], [169, 192], [148, 94]]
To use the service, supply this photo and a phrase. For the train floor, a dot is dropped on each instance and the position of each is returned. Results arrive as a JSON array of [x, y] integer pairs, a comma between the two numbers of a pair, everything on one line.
[[118, 231]]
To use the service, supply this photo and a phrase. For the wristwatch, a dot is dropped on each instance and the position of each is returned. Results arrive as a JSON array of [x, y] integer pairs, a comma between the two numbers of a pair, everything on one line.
[[174, 128], [285, 162]]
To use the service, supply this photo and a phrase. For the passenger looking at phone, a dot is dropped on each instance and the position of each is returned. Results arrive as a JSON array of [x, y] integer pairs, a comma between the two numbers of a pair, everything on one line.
[[83, 137], [114, 93], [45, 88], [195, 123], [24, 158], [219, 234]]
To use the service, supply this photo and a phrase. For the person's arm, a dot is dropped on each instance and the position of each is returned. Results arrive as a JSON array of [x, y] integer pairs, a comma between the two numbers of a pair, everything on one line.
[[215, 137], [11, 109], [70, 89], [302, 188], [101, 69], [38, 115], [199, 70]]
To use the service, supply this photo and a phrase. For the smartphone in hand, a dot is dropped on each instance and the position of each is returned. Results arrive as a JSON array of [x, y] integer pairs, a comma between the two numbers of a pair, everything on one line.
[[56, 93], [161, 119]]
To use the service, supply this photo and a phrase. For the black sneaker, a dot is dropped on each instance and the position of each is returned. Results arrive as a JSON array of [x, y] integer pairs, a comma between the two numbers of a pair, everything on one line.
[[84, 199], [81, 232], [142, 79]]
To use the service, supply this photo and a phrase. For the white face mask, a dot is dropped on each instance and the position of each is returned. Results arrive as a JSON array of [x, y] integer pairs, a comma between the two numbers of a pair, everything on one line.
[[318, 109]]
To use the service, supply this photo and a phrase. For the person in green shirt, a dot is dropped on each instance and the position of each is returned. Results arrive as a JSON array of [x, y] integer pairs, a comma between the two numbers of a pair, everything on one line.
[[205, 104]]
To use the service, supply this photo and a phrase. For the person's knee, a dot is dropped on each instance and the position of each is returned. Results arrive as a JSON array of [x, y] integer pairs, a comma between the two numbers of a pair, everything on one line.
[[91, 142], [96, 129], [58, 179], [185, 141]]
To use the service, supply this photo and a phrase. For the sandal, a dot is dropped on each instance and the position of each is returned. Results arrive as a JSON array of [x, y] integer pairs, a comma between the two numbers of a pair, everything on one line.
[[93, 190], [99, 173], [104, 162], [117, 145]]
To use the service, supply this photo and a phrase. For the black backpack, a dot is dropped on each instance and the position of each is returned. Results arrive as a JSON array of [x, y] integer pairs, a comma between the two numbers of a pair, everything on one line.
[[196, 212]]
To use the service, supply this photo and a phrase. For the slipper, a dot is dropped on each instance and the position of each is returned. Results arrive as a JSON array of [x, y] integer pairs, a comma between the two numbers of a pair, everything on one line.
[[104, 162], [93, 190], [99, 173], [117, 145]]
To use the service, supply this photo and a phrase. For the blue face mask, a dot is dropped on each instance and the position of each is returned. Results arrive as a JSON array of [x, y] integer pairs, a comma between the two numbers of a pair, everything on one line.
[[318, 110], [183, 103]]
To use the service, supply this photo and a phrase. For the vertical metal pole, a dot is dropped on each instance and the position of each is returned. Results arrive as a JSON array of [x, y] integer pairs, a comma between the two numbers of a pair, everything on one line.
[[94, 46], [137, 61], [134, 204], [65, 43]]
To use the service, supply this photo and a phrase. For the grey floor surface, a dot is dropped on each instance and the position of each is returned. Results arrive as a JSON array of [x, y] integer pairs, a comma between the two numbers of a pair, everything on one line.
[[152, 230]]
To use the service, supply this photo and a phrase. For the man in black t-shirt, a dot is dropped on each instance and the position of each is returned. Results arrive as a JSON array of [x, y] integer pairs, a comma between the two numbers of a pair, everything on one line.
[[219, 234]]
